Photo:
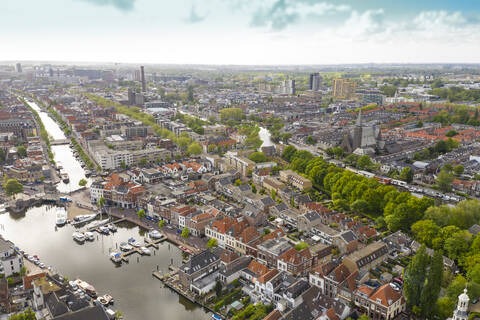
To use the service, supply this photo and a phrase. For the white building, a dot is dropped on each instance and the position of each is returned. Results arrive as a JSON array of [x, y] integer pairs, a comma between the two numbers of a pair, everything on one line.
[[11, 261], [461, 311]]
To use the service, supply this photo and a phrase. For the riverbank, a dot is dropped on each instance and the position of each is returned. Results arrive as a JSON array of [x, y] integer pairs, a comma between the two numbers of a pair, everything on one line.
[[43, 132]]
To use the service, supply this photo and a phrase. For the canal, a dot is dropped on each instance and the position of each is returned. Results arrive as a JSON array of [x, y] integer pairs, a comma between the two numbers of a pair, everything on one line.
[[63, 154], [137, 294]]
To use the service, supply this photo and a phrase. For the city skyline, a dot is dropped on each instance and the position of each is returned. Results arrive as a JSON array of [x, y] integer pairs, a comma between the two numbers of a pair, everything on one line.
[[250, 32]]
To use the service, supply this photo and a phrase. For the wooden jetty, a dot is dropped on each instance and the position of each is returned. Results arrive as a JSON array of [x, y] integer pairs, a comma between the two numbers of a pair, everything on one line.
[[148, 243]]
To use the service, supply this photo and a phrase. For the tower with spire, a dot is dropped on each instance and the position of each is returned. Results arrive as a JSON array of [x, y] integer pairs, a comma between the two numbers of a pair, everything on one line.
[[461, 311]]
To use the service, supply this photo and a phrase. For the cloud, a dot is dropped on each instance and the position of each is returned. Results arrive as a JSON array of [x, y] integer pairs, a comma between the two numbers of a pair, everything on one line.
[[279, 14], [124, 5], [194, 17]]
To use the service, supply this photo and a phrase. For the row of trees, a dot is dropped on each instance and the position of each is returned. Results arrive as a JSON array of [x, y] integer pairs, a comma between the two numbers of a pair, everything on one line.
[[349, 191]]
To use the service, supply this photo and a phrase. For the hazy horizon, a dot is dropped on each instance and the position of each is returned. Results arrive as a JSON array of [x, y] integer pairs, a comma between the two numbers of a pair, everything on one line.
[[249, 32]]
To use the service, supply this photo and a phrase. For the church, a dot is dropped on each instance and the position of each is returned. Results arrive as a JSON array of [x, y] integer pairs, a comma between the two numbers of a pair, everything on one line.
[[362, 139]]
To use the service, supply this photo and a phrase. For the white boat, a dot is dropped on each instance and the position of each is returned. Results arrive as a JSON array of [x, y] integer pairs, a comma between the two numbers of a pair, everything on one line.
[[83, 218], [124, 246], [98, 223], [116, 257], [89, 236], [89, 289], [104, 230], [145, 251], [155, 234], [65, 177], [112, 227], [61, 217], [79, 237]]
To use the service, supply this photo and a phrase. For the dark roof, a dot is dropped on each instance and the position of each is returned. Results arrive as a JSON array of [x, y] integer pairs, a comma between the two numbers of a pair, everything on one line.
[[55, 306], [312, 216], [199, 261], [244, 187], [93, 313], [475, 229], [297, 289], [267, 201], [281, 207], [348, 236]]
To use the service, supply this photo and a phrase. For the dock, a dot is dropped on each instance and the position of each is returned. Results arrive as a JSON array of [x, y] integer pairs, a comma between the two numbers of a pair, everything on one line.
[[148, 243], [97, 227]]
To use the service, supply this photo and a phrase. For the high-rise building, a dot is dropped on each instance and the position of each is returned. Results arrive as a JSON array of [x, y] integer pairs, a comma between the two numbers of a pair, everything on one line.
[[315, 81], [131, 97], [19, 67], [289, 87], [142, 75], [343, 88], [50, 72]]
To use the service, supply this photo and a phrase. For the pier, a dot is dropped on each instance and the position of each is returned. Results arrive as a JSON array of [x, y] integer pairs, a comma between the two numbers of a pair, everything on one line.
[[148, 243]]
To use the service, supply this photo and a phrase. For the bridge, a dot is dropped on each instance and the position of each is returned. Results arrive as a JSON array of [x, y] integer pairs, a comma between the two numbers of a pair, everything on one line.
[[59, 142]]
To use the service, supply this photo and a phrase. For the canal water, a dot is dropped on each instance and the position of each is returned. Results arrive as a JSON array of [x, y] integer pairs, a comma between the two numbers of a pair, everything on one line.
[[265, 135], [62, 153], [137, 294]]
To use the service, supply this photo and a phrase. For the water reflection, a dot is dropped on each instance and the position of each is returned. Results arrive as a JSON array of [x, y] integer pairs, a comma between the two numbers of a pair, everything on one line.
[[137, 294]]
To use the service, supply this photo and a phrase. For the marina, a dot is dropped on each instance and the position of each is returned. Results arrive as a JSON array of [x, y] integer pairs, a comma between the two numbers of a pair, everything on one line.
[[131, 285]]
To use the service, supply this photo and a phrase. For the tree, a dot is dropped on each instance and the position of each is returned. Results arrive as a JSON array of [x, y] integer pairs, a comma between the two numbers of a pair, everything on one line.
[[190, 93], [82, 183], [218, 289], [123, 165], [141, 214], [195, 148], [22, 151], [235, 114], [431, 290], [258, 157], [161, 223], [406, 174], [2, 155], [444, 180], [143, 162], [212, 242], [185, 233], [419, 124], [28, 314], [288, 153], [458, 170], [364, 162], [301, 246], [425, 231], [211, 148], [13, 187], [310, 140], [414, 277], [101, 202]]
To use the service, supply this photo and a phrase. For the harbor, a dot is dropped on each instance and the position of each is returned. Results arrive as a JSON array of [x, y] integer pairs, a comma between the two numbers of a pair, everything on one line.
[[136, 295]]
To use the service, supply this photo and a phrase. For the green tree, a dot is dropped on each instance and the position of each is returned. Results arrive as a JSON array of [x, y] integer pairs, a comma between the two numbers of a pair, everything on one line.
[[212, 242], [143, 162], [141, 213], [123, 165], [185, 233], [161, 223], [211, 148], [195, 148], [310, 140], [288, 153], [301, 245], [82, 182], [406, 174], [183, 142], [235, 114], [444, 180], [431, 290], [28, 314], [22, 151], [2, 155], [414, 277], [258, 157], [190, 96], [458, 170], [12, 187], [425, 231], [218, 289], [364, 162]]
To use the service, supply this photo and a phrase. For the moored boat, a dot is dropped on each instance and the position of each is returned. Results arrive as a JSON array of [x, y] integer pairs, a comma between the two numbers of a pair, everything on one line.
[[89, 236], [83, 218], [125, 246], [79, 237], [116, 257], [145, 251], [61, 217]]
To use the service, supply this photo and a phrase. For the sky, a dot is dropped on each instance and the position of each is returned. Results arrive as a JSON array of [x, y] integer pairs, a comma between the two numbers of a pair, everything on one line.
[[241, 32]]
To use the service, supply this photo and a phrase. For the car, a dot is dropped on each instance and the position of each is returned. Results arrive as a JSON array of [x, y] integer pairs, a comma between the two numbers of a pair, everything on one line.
[[73, 285], [475, 301]]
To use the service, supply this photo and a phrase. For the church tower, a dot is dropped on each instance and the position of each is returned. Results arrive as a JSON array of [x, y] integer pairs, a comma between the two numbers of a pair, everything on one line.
[[461, 311]]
